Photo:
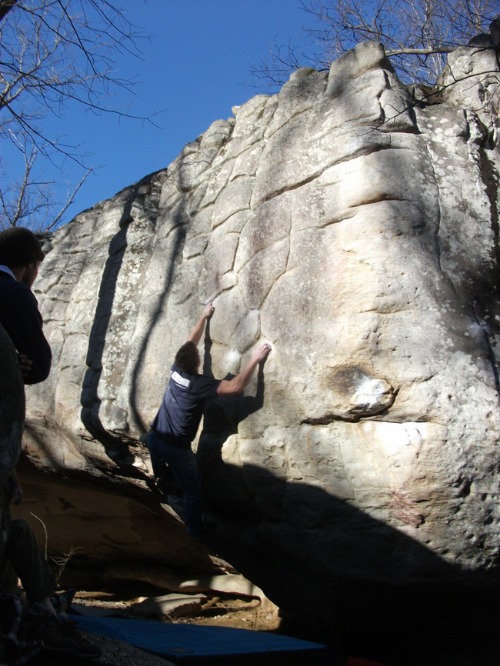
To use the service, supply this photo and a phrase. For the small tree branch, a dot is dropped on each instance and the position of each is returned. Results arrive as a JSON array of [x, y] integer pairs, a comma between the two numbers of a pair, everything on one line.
[[424, 52]]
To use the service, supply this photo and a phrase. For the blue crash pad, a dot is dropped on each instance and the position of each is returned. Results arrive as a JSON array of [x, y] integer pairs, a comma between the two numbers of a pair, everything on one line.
[[187, 641]]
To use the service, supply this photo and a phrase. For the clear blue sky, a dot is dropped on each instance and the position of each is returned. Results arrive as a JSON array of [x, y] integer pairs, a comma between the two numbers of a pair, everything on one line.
[[194, 69]]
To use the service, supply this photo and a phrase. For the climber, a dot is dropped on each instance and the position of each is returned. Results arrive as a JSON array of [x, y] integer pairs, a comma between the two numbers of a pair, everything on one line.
[[176, 423]]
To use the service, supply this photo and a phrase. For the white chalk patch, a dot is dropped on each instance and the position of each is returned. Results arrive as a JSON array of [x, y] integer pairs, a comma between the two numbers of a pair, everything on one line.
[[370, 393]]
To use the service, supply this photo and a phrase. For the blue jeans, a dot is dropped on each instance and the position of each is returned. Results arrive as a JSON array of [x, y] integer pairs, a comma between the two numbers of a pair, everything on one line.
[[182, 461]]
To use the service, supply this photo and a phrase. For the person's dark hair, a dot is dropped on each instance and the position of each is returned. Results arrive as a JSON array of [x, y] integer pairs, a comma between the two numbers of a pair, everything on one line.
[[19, 247], [187, 358]]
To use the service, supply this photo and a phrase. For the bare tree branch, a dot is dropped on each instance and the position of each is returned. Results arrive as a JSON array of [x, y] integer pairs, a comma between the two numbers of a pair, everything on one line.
[[417, 34], [444, 49], [55, 53], [29, 198]]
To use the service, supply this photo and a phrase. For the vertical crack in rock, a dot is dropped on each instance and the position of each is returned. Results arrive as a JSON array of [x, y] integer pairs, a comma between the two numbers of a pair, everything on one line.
[[485, 295]]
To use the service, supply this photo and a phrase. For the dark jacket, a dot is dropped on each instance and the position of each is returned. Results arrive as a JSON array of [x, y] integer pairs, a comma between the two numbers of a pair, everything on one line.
[[20, 317]]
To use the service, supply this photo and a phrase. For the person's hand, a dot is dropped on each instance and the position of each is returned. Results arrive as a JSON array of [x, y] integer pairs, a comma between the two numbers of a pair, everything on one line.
[[208, 310], [25, 364], [261, 351]]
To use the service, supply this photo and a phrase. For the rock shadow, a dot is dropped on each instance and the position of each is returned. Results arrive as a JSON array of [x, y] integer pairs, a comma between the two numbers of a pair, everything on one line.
[[116, 443], [339, 574], [221, 419], [343, 577], [90, 401]]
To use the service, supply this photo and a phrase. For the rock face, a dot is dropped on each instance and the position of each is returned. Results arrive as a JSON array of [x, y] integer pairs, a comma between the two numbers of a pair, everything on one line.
[[356, 228]]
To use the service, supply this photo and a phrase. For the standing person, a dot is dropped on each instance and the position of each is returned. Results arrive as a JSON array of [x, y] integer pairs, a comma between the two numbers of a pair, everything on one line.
[[178, 418], [20, 257]]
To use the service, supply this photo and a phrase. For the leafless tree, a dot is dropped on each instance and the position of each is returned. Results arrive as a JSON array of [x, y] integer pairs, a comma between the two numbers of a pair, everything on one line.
[[28, 198], [53, 53], [417, 34]]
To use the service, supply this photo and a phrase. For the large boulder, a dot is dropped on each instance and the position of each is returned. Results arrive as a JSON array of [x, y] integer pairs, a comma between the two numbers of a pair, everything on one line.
[[356, 228]]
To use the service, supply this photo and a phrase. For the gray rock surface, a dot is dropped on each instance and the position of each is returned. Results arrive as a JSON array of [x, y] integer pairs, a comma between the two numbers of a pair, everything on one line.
[[357, 230]]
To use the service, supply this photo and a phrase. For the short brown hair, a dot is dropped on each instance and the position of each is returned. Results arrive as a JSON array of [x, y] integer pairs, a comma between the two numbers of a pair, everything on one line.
[[188, 358], [19, 247]]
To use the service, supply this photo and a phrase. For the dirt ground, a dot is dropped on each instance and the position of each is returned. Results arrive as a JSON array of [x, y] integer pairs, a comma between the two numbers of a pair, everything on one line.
[[219, 610], [240, 613]]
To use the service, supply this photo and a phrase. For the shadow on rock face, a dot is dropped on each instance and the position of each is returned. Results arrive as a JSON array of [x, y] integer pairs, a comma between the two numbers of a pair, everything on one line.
[[363, 583]]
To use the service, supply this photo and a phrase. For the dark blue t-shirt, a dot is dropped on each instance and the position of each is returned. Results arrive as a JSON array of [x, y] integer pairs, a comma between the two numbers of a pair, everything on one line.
[[180, 413]]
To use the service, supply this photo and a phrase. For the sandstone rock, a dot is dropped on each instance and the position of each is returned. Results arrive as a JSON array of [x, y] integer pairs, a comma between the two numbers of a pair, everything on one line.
[[87, 526], [228, 583], [170, 605], [357, 230]]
